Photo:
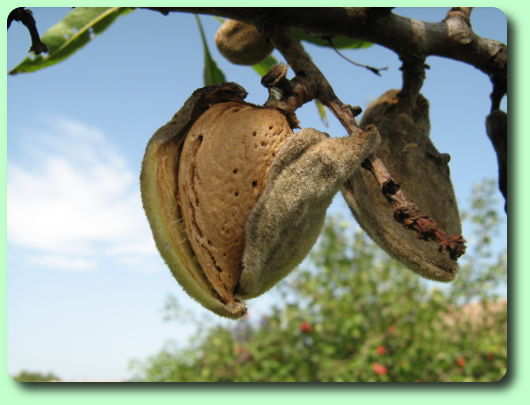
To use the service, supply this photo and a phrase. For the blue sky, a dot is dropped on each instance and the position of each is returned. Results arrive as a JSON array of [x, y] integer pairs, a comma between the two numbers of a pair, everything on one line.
[[86, 286]]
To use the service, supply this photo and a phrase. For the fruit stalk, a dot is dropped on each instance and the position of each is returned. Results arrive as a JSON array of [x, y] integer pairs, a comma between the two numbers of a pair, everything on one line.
[[310, 83]]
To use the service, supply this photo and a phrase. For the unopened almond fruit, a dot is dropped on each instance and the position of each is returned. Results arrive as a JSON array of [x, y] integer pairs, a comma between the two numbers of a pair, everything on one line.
[[242, 43], [423, 174]]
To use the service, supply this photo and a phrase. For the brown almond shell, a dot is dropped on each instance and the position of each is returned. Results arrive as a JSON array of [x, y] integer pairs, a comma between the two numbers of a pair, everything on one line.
[[223, 169]]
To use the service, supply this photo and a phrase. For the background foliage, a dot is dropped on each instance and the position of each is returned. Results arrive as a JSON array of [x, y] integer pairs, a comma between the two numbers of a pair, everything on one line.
[[354, 314], [33, 376]]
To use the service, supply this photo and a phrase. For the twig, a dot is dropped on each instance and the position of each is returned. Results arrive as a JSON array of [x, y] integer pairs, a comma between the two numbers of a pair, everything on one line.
[[379, 26], [413, 69], [496, 127], [372, 69], [498, 92], [451, 38], [308, 74], [26, 17]]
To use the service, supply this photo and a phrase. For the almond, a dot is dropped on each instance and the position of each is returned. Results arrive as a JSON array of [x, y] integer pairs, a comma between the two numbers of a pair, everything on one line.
[[242, 43], [423, 174], [223, 169], [202, 173]]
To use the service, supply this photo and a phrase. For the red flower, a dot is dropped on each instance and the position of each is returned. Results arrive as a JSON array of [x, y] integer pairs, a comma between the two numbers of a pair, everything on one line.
[[379, 368], [380, 350], [305, 327], [391, 329], [460, 362]]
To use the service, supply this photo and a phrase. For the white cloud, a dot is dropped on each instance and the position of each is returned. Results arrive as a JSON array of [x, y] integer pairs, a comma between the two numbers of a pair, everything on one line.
[[72, 263], [77, 201]]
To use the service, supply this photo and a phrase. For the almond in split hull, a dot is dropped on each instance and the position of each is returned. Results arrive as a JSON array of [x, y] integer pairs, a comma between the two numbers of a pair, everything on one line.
[[223, 168]]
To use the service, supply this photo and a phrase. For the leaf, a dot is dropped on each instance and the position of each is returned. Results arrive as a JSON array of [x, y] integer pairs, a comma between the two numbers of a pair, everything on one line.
[[212, 74], [265, 65], [339, 41], [79, 27], [322, 112]]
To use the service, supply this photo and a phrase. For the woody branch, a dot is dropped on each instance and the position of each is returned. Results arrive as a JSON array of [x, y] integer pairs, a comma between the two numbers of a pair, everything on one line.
[[310, 83], [451, 38]]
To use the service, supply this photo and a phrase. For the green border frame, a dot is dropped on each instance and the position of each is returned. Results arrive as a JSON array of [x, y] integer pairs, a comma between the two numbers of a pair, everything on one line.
[[512, 389]]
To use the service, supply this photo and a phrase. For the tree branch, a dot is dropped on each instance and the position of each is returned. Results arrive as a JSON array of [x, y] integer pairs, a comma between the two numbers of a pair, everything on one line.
[[413, 69], [497, 129], [461, 12], [315, 85], [452, 38], [26, 17], [411, 39]]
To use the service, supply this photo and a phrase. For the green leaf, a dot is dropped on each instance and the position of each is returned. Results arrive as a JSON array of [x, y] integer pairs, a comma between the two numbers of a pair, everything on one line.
[[339, 41], [265, 65], [322, 112], [212, 74], [78, 28]]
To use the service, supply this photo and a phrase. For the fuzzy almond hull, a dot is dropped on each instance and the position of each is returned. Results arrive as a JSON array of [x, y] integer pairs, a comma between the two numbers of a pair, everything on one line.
[[159, 185]]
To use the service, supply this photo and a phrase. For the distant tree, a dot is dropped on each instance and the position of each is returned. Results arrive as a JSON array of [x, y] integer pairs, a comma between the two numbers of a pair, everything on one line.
[[34, 376], [354, 314]]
